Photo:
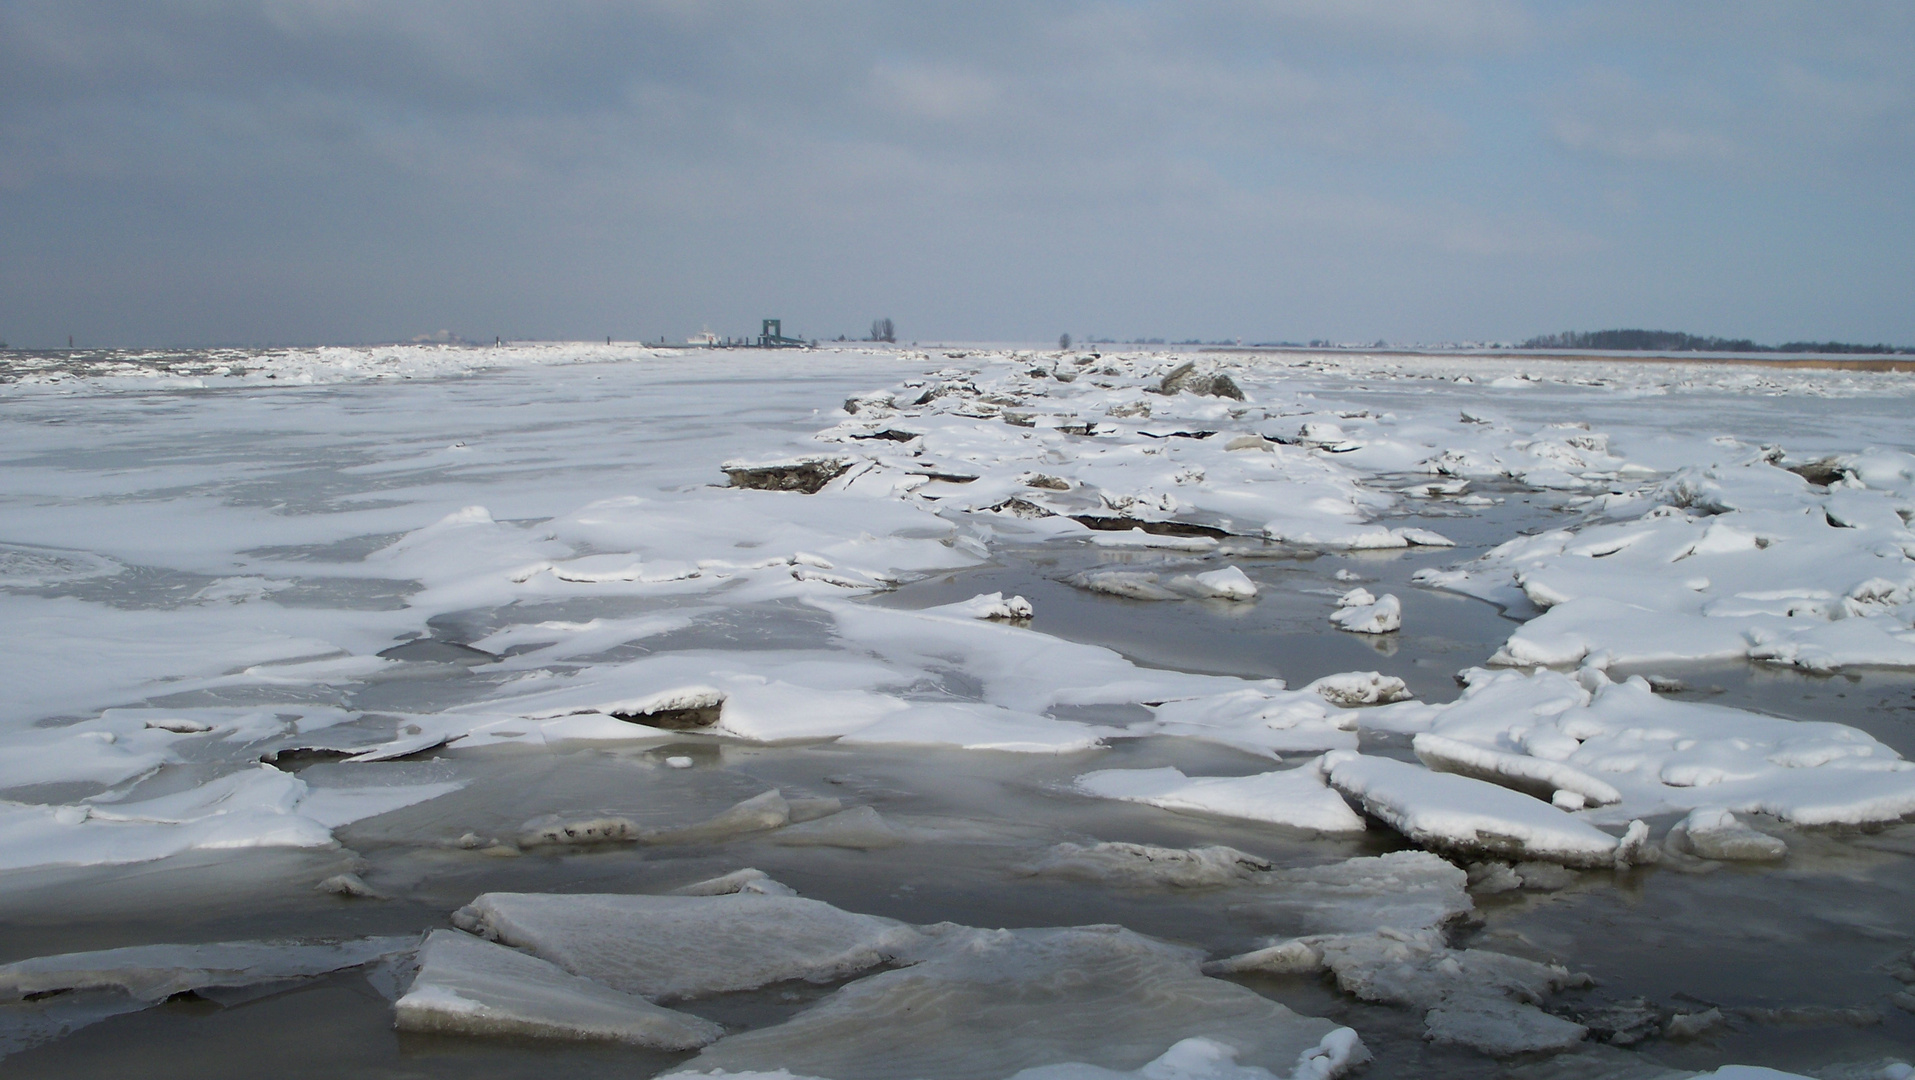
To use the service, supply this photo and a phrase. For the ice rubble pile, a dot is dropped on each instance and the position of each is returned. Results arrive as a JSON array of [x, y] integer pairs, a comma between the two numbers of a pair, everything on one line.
[[1741, 557]]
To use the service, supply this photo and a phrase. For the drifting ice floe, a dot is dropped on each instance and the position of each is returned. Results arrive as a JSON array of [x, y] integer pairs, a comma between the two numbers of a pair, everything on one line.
[[469, 986], [666, 947], [1361, 613]]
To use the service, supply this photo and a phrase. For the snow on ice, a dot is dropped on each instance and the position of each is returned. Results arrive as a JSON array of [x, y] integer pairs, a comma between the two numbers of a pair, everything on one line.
[[582, 577]]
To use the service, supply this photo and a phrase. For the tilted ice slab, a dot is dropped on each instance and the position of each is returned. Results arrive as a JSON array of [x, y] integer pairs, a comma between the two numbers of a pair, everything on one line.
[[153, 973], [469, 986], [985, 1004], [50, 997], [1548, 730], [667, 947], [1457, 814], [1294, 797], [1408, 890], [1734, 559], [255, 807]]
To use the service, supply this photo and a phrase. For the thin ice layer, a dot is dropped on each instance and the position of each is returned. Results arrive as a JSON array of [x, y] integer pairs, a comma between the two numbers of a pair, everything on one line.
[[666, 947], [469, 986]]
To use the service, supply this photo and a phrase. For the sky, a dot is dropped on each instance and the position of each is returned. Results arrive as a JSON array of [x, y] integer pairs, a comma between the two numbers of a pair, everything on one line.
[[183, 172]]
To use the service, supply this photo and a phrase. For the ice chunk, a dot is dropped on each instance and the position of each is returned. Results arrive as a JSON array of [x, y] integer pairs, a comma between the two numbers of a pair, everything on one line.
[[153, 973], [1711, 832], [984, 1004], [1468, 817], [1124, 864], [806, 475], [1359, 616], [1482, 999], [1405, 889], [1229, 583], [1361, 688], [750, 879], [1530, 775], [756, 814], [1265, 721], [1662, 754], [1293, 797], [859, 827], [1131, 584], [1208, 1059], [469, 986], [683, 708], [664, 947], [989, 606]]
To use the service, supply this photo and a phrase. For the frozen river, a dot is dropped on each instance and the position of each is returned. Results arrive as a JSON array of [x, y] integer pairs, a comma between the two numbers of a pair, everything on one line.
[[1411, 716]]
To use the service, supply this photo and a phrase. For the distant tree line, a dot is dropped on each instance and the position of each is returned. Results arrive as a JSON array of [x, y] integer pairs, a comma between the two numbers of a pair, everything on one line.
[[1672, 341], [883, 330]]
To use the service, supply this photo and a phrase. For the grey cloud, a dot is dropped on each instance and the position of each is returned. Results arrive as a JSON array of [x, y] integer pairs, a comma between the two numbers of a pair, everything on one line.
[[218, 169]]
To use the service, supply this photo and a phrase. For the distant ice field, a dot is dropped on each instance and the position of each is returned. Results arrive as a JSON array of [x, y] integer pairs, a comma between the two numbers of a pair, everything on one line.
[[1326, 675]]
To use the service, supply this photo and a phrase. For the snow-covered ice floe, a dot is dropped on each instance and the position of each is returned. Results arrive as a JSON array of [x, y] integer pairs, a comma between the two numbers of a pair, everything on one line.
[[1626, 752], [1737, 558]]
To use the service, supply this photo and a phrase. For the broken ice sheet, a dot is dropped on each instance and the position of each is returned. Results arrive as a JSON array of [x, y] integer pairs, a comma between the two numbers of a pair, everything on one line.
[[984, 1004]]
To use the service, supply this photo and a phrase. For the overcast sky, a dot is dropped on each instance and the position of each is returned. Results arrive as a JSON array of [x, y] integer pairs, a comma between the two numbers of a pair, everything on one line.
[[219, 171]]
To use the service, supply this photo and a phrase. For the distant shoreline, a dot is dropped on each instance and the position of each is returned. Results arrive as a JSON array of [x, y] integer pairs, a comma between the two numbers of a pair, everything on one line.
[[1879, 362]]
